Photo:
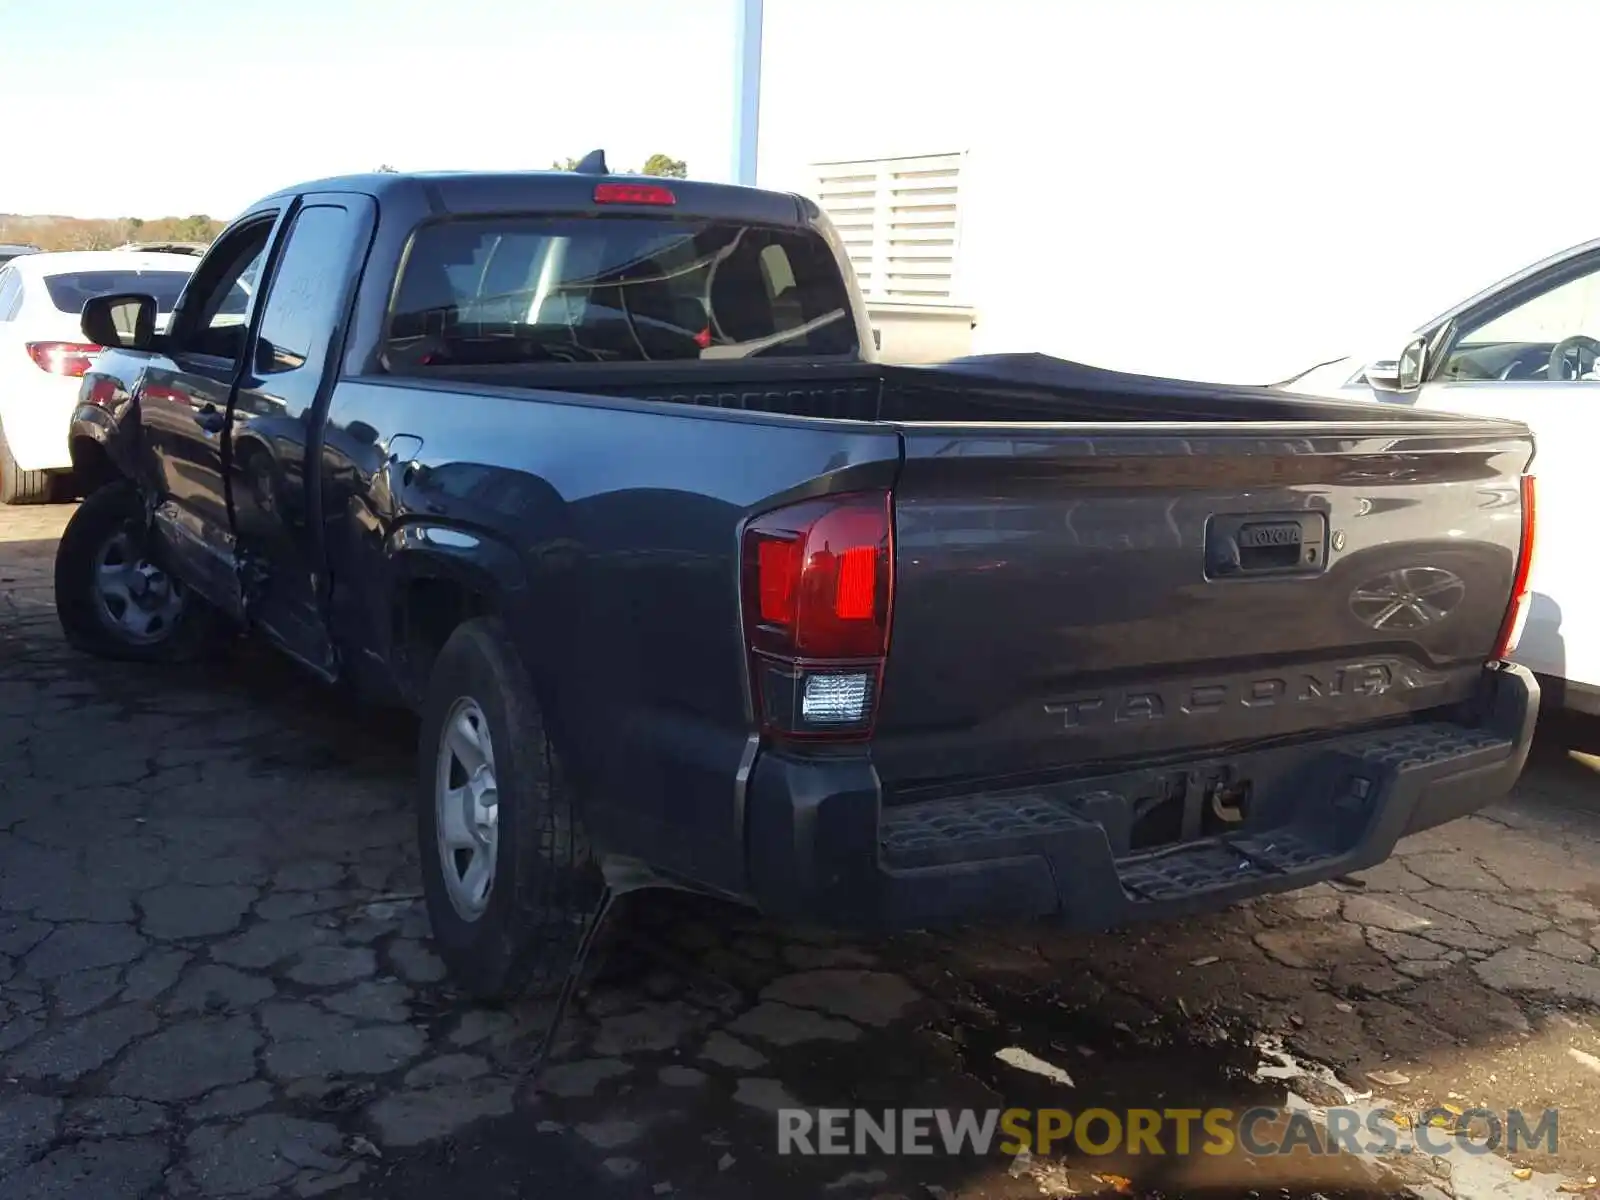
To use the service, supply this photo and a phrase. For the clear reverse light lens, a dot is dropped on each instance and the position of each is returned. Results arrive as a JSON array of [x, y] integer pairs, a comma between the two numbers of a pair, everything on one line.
[[834, 699]]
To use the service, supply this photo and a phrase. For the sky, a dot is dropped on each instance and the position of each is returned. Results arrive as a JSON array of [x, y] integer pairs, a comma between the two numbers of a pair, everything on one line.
[[229, 100], [1232, 189]]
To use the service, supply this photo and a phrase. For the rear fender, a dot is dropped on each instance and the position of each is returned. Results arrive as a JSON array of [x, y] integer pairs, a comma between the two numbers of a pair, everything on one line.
[[492, 577], [485, 569], [476, 559]]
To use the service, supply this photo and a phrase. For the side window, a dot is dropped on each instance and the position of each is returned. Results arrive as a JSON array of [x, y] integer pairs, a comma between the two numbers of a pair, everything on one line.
[[1553, 335], [236, 303], [217, 302], [228, 307], [307, 291], [10, 293]]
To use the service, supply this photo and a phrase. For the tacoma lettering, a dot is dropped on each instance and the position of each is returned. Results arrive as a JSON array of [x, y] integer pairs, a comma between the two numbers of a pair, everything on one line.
[[1356, 680]]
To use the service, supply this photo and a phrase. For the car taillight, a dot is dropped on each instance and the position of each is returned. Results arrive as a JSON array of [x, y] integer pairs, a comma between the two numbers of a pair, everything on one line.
[[63, 358], [818, 591], [1521, 597]]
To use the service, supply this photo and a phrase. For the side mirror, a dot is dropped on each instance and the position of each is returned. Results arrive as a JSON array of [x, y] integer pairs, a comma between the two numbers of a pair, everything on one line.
[[1399, 375], [126, 321]]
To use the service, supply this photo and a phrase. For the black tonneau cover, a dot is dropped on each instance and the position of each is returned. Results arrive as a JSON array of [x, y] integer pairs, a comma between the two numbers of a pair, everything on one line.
[[1087, 393]]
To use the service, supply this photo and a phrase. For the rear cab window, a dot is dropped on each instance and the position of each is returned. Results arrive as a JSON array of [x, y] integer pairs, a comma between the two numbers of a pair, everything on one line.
[[69, 291], [506, 290]]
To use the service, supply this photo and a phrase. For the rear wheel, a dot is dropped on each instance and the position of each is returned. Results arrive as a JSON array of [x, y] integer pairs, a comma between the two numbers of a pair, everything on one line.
[[507, 870], [18, 486], [111, 599]]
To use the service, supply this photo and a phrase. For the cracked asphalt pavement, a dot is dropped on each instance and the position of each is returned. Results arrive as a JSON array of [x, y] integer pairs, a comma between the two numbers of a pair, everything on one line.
[[215, 980]]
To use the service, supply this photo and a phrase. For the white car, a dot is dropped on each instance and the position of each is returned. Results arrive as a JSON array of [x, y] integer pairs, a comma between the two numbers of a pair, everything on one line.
[[1527, 348], [43, 354]]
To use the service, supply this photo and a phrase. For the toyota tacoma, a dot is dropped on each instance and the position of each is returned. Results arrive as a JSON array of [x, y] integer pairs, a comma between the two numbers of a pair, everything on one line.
[[598, 475]]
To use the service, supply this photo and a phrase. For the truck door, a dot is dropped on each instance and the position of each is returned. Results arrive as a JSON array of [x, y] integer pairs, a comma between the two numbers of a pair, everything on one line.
[[183, 400], [274, 430]]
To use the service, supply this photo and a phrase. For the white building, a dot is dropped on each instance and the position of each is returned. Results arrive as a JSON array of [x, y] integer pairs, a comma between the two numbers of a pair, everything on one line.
[[900, 219], [1230, 190]]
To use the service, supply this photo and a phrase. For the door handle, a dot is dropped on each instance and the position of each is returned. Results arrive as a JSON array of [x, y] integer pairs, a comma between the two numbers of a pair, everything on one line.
[[1266, 544]]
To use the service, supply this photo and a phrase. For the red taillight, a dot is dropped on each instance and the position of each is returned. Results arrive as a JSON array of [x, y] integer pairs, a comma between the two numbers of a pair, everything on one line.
[[63, 358], [633, 193], [777, 577], [818, 583], [1521, 597]]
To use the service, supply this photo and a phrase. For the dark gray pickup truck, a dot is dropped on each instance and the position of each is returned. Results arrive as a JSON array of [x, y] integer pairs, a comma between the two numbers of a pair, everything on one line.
[[598, 476]]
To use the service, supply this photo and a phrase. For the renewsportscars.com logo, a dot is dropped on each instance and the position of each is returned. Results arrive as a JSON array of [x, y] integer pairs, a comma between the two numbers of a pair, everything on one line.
[[1260, 1132]]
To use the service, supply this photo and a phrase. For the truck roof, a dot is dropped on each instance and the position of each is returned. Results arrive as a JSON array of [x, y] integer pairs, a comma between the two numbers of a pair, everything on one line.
[[465, 193]]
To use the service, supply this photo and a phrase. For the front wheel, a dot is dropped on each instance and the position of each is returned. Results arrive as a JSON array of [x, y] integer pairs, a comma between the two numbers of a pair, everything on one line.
[[507, 871], [112, 600]]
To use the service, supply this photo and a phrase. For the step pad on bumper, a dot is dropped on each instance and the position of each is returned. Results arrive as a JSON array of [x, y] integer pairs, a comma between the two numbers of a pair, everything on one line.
[[1200, 868], [1424, 745], [1350, 772], [911, 829]]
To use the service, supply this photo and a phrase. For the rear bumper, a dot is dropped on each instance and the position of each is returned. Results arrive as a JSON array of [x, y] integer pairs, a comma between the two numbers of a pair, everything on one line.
[[823, 847]]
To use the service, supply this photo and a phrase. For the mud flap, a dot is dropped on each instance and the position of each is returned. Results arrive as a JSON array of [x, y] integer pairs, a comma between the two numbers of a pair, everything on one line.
[[621, 876]]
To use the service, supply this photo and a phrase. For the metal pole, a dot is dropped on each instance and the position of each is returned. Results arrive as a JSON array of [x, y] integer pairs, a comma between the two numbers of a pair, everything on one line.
[[747, 92]]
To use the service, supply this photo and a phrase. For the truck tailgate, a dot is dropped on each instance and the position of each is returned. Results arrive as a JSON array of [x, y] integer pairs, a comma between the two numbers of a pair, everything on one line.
[[1067, 595]]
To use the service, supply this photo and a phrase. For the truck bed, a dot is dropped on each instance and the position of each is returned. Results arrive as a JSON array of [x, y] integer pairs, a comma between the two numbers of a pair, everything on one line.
[[1006, 387], [1062, 603]]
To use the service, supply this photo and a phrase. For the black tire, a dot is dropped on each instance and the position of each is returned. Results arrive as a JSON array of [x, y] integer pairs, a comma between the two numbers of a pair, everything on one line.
[[18, 486], [546, 881], [112, 510]]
